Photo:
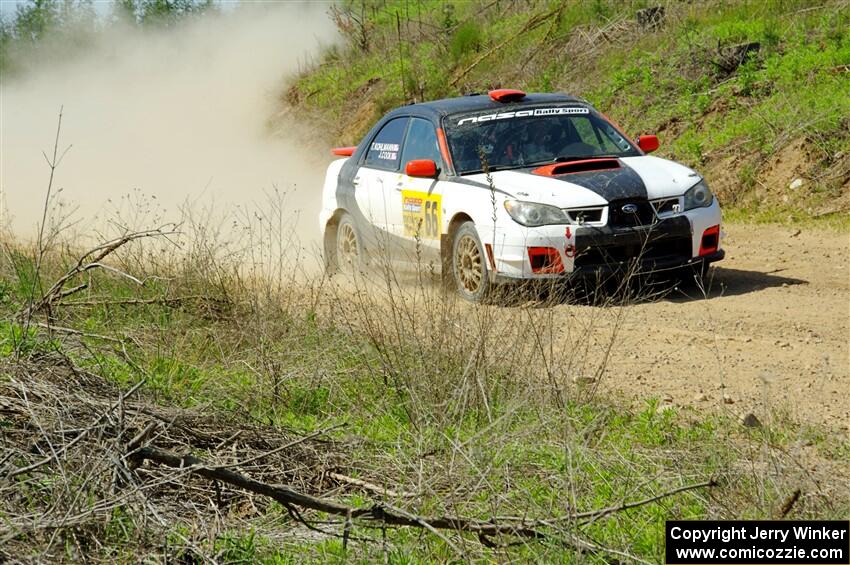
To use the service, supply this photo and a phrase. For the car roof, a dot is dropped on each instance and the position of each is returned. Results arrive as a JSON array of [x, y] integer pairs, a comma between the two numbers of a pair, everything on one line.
[[437, 109]]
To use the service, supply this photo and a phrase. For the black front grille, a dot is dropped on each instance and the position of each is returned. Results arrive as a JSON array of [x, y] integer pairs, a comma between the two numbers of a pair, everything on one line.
[[638, 212], [654, 249]]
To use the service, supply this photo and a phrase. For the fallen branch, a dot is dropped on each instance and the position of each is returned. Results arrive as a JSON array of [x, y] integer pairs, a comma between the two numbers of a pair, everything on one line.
[[789, 504], [384, 513], [288, 496]]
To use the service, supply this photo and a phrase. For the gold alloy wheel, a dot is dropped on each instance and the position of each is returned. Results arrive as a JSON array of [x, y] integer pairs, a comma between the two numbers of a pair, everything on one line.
[[468, 263], [346, 245]]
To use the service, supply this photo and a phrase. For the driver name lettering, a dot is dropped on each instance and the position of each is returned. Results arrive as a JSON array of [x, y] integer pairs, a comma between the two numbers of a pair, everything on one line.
[[524, 114], [388, 151]]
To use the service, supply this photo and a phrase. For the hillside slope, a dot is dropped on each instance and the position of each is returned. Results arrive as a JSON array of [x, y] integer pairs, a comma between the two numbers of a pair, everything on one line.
[[755, 94]]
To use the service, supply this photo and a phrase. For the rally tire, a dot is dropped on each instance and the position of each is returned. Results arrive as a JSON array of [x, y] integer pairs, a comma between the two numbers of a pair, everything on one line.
[[469, 264], [347, 252]]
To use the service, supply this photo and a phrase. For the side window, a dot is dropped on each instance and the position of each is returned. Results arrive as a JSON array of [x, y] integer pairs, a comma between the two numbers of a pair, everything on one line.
[[386, 146], [421, 143]]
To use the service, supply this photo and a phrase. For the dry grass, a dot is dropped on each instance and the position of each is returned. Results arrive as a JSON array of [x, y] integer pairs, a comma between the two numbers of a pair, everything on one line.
[[380, 390]]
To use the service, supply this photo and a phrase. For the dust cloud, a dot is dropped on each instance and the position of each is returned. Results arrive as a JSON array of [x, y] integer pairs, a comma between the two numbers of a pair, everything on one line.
[[188, 114]]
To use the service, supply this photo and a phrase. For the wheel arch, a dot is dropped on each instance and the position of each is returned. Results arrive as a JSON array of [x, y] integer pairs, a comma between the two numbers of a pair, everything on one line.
[[446, 238], [329, 239]]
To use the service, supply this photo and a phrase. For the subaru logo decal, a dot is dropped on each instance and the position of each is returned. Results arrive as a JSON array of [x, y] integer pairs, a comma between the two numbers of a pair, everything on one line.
[[630, 208]]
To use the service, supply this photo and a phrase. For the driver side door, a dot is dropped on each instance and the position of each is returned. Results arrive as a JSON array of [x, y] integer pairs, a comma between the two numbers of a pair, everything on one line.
[[378, 172], [416, 203]]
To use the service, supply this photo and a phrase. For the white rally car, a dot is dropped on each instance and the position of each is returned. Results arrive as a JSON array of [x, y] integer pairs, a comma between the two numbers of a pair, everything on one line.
[[568, 194]]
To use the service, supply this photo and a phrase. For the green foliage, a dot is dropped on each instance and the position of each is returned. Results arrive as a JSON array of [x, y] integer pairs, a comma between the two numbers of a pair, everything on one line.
[[448, 16], [793, 88], [467, 39], [13, 339], [602, 10], [237, 549], [33, 20]]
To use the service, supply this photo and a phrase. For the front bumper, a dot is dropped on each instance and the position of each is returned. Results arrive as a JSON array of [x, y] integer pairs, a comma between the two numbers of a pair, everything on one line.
[[670, 243], [648, 267], [644, 268]]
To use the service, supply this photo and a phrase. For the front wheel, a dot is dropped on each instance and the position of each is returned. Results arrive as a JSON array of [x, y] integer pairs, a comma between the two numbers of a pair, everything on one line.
[[469, 264]]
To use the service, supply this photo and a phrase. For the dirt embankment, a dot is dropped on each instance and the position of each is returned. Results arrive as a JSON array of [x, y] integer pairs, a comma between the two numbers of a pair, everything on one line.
[[771, 337]]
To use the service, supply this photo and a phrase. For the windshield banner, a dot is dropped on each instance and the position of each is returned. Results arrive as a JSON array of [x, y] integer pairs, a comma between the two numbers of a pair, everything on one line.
[[571, 110]]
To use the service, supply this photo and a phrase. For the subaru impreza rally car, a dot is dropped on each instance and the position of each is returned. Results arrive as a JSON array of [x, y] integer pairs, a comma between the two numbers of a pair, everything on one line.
[[509, 186]]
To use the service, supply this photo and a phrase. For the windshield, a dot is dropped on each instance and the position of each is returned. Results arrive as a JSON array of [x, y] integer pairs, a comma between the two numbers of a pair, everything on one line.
[[531, 137]]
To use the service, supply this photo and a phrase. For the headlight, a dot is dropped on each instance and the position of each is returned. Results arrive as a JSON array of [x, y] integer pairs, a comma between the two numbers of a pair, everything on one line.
[[532, 214], [698, 196]]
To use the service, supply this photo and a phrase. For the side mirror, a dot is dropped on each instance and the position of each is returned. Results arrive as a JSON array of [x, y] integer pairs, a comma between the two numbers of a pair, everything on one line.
[[422, 168], [648, 143]]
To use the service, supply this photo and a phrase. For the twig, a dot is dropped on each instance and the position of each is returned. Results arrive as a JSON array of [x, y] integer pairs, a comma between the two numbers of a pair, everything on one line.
[[282, 447], [595, 514], [227, 440], [142, 436], [144, 301], [37, 275], [88, 261], [371, 486], [72, 331]]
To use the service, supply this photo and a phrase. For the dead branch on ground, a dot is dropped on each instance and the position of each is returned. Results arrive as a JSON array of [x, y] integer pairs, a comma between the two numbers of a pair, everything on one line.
[[91, 259], [387, 514]]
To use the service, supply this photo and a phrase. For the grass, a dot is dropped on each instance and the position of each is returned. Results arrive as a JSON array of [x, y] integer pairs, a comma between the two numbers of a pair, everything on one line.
[[783, 214], [441, 399], [795, 90]]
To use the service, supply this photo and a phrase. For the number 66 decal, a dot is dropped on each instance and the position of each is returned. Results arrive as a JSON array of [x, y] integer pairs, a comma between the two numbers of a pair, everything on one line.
[[421, 213]]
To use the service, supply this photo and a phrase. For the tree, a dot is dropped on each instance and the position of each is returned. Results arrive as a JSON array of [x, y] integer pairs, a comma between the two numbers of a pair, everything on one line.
[[160, 12], [33, 20]]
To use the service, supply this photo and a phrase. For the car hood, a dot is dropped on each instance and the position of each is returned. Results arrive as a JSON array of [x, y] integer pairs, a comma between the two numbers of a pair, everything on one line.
[[637, 177], [662, 177]]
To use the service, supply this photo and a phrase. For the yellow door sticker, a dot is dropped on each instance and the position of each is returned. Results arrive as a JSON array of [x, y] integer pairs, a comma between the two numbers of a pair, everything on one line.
[[422, 214]]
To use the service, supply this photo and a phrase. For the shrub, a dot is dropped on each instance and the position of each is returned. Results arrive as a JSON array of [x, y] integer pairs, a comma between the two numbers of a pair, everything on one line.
[[467, 38]]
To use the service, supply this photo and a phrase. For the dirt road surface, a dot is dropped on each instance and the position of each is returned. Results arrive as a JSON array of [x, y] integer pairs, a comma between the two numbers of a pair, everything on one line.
[[771, 337]]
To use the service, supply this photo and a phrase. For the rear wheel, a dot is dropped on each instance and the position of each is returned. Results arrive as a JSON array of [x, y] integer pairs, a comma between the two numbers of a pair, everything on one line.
[[348, 251], [469, 264]]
